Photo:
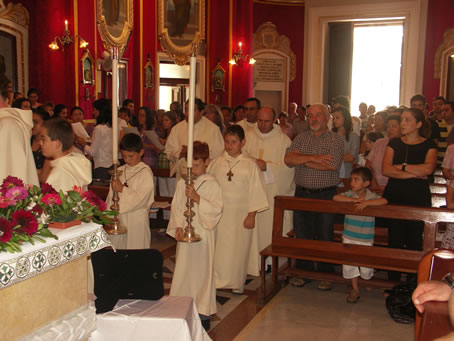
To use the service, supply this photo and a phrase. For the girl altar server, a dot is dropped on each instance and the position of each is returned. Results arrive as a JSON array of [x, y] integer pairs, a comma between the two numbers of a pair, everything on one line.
[[194, 268], [244, 195]]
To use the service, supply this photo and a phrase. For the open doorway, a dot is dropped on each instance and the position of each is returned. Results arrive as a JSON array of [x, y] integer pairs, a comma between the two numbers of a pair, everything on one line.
[[376, 64]]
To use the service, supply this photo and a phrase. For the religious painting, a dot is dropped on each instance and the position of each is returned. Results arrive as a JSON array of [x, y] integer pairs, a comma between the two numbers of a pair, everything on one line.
[[8, 59], [181, 27], [87, 64], [218, 78], [149, 74]]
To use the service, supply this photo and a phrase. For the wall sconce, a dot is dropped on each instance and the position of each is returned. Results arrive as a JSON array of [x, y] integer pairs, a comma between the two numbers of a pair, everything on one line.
[[66, 39], [238, 56]]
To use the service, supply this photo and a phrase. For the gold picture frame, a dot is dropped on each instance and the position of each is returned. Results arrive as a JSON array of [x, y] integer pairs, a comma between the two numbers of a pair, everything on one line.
[[115, 22], [218, 78], [148, 74], [87, 66], [181, 27]]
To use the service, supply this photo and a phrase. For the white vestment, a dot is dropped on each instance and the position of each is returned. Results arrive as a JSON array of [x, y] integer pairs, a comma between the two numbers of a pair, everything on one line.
[[135, 202], [15, 146], [204, 131], [278, 178], [70, 170], [243, 194], [247, 126], [194, 268]]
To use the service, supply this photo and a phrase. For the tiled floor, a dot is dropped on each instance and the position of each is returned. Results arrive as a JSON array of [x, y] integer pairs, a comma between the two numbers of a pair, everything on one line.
[[304, 314]]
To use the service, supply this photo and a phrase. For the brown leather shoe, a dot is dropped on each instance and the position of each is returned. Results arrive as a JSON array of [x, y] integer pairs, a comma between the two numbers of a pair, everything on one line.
[[325, 285]]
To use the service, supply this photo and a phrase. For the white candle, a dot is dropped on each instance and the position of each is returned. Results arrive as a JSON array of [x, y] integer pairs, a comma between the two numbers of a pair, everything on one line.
[[115, 106], [191, 110], [66, 25]]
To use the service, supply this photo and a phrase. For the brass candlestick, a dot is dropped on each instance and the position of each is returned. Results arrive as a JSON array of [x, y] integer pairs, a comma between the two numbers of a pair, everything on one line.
[[189, 235], [115, 227]]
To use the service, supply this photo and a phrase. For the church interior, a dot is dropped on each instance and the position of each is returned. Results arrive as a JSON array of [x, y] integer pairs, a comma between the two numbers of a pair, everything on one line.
[[282, 52]]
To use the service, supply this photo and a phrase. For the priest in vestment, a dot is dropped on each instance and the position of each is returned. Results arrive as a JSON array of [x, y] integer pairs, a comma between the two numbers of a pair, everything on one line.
[[194, 268], [267, 144], [15, 146], [204, 131]]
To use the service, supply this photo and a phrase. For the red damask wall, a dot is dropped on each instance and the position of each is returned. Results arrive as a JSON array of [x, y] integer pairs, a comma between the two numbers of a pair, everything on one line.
[[289, 21], [439, 19]]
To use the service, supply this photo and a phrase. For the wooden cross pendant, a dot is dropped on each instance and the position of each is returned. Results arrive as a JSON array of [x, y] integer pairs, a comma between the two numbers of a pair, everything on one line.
[[229, 175]]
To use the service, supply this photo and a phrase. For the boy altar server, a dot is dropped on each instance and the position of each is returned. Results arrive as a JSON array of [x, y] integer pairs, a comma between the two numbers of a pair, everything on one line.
[[69, 168], [136, 191], [244, 196], [194, 269]]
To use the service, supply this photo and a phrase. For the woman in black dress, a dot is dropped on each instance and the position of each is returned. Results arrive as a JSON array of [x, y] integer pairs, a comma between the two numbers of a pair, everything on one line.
[[407, 162]]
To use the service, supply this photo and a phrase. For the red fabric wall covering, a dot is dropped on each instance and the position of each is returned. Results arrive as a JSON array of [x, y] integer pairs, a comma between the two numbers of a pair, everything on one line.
[[242, 32], [439, 19], [149, 47], [51, 72], [218, 45], [289, 21]]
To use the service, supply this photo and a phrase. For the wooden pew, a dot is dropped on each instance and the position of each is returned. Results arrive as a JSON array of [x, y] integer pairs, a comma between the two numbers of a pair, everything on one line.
[[338, 253]]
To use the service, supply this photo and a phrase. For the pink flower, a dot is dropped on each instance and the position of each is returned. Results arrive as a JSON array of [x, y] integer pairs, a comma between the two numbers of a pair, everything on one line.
[[51, 199], [6, 230], [17, 193], [93, 199], [47, 189], [25, 220], [10, 182], [5, 202]]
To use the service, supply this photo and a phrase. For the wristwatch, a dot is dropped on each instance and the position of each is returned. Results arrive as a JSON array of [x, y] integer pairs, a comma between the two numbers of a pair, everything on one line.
[[403, 166], [448, 280]]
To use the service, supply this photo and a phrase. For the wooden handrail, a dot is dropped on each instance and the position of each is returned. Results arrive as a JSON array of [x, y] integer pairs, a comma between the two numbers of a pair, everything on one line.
[[430, 216]]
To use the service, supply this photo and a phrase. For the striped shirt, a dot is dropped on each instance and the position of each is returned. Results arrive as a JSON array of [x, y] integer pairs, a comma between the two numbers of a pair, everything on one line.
[[442, 141], [328, 143], [359, 228]]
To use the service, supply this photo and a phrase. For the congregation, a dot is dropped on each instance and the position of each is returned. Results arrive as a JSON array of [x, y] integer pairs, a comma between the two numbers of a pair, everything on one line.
[[243, 157]]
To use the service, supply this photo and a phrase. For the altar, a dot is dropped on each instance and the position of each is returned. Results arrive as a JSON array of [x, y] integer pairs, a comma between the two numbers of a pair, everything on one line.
[[43, 289]]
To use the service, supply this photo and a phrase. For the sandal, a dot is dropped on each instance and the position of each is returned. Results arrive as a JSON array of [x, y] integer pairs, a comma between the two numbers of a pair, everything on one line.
[[353, 296]]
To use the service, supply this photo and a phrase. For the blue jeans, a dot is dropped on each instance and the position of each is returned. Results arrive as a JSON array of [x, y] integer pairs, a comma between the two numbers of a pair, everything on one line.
[[314, 225]]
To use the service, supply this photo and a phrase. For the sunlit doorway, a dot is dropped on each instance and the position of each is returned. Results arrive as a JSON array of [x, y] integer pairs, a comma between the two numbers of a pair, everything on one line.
[[376, 64]]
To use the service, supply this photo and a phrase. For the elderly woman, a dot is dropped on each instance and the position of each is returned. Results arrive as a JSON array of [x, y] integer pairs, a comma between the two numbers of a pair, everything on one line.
[[374, 159]]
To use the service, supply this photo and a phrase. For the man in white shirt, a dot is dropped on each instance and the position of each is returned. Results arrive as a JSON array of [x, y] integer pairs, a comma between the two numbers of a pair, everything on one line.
[[252, 106], [267, 144], [204, 131], [15, 133]]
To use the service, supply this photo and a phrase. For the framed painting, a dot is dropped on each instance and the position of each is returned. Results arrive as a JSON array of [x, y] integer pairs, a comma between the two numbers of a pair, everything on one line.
[[181, 27], [87, 65], [8, 60]]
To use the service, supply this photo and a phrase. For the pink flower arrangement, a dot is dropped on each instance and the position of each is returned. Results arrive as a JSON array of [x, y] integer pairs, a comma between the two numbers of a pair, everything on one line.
[[27, 210]]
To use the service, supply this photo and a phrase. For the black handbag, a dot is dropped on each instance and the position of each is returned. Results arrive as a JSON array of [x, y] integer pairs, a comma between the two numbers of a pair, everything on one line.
[[126, 274], [399, 304]]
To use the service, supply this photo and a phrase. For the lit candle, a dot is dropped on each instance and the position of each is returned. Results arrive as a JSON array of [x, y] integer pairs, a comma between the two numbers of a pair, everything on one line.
[[240, 43], [66, 25], [191, 109], [115, 106]]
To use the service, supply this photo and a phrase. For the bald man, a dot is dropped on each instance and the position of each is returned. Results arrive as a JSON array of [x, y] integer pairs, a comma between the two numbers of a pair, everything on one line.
[[266, 143], [317, 155]]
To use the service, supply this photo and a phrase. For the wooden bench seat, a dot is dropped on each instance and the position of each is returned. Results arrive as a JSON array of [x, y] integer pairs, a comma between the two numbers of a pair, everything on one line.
[[338, 253]]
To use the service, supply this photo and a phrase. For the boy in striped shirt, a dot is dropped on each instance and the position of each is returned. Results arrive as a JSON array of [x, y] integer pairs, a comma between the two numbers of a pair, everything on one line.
[[359, 230]]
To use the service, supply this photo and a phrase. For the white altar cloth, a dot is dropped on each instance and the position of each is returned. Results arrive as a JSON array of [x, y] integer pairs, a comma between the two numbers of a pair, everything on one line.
[[171, 318], [72, 243]]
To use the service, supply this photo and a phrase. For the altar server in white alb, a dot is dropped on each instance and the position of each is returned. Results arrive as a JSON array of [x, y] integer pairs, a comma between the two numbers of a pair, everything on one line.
[[266, 143], [194, 269], [136, 191], [16, 156], [204, 131], [69, 168], [244, 195]]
